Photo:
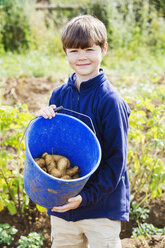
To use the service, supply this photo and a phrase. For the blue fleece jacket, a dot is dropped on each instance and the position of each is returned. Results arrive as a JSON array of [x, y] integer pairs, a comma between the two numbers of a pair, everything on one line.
[[106, 194]]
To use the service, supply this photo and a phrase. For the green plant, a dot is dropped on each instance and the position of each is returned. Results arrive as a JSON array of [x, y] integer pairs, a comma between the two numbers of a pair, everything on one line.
[[6, 233], [137, 213], [33, 64], [33, 240], [145, 156], [131, 24], [15, 28], [159, 5], [145, 230], [12, 194]]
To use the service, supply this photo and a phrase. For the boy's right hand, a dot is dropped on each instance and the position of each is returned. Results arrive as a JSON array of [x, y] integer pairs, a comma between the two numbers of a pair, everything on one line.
[[47, 112]]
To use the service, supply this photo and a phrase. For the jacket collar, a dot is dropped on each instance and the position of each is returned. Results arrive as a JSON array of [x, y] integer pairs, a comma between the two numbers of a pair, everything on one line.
[[91, 83]]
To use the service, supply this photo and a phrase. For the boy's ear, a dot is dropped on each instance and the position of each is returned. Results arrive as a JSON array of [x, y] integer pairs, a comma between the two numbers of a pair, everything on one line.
[[105, 48]]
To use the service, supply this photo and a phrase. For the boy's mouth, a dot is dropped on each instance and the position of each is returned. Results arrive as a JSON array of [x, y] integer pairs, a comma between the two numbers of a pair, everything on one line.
[[83, 64]]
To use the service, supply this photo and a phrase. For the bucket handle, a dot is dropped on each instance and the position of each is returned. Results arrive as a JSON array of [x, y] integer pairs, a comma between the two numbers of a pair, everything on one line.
[[62, 108], [55, 110]]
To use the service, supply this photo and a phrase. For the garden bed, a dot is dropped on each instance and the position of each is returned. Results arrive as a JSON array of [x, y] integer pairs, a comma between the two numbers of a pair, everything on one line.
[[35, 92]]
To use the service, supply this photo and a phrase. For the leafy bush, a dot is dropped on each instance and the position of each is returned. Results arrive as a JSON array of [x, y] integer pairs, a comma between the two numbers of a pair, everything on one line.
[[33, 240], [15, 28], [129, 24], [145, 156], [6, 232], [159, 5], [1, 25], [135, 24], [12, 194]]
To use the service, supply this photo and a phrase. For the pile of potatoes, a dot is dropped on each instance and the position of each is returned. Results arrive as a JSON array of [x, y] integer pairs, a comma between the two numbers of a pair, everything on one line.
[[57, 166]]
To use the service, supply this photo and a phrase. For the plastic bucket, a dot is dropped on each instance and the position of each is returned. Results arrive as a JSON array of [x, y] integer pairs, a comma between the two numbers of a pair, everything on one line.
[[63, 135]]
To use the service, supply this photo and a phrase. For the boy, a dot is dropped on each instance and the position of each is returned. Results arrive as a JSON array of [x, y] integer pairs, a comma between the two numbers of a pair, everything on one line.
[[94, 216]]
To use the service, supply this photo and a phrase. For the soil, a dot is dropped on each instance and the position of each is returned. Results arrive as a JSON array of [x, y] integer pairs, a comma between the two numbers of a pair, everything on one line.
[[35, 92]]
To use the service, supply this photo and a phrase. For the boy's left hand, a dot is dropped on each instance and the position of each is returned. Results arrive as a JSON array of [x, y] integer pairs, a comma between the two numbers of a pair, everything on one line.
[[73, 203]]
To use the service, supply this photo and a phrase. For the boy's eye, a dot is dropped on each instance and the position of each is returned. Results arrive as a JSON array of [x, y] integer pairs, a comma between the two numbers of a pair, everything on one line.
[[90, 50], [73, 51]]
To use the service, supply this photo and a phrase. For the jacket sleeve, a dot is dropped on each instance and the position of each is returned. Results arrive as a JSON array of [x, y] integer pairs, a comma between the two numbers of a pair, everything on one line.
[[112, 119]]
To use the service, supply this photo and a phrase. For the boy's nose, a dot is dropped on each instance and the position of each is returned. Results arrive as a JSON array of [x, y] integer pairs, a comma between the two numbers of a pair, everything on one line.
[[81, 54]]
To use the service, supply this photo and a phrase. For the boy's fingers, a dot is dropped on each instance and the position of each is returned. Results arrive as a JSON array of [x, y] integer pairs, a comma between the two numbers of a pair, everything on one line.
[[39, 113], [63, 208], [47, 112], [53, 106], [73, 203], [51, 110], [75, 199]]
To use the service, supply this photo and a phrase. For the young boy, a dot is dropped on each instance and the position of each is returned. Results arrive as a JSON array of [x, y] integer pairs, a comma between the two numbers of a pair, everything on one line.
[[94, 216]]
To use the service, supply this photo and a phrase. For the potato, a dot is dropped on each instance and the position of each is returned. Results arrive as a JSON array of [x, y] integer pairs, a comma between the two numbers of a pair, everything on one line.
[[56, 157], [67, 177], [72, 171], [44, 155], [41, 162], [51, 166], [75, 176], [45, 169], [57, 166], [56, 173], [68, 163], [36, 159], [48, 159], [62, 165]]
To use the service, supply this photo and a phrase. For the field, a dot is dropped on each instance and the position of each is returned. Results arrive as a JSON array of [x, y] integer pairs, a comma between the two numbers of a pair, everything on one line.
[[30, 90], [135, 65]]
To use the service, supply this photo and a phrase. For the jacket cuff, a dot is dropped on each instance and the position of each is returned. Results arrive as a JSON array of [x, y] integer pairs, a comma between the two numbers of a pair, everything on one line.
[[84, 199]]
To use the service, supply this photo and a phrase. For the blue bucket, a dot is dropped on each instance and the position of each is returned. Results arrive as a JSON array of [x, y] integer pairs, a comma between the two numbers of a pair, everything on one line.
[[66, 136]]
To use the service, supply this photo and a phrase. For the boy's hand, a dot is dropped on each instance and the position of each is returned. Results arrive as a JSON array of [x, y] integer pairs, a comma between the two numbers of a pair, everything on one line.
[[47, 112], [73, 203]]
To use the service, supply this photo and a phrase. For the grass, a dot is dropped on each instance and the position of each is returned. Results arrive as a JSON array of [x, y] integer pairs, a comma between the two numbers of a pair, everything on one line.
[[132, 72], [135, 73], [34, 63], [41, 63]]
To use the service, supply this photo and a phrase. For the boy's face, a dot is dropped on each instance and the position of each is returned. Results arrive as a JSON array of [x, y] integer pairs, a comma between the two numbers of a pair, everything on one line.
[[86, 62]]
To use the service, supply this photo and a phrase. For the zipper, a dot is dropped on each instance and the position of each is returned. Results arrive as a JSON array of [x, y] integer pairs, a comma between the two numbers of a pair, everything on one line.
[[78, 106], [78, 102]]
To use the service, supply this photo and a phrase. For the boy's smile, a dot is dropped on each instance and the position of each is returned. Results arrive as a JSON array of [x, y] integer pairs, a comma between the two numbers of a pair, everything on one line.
[[85, 62]]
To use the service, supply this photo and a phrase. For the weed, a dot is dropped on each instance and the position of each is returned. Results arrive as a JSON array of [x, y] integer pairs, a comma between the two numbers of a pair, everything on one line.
[[6, 234], [33, 240], [145, 230]]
